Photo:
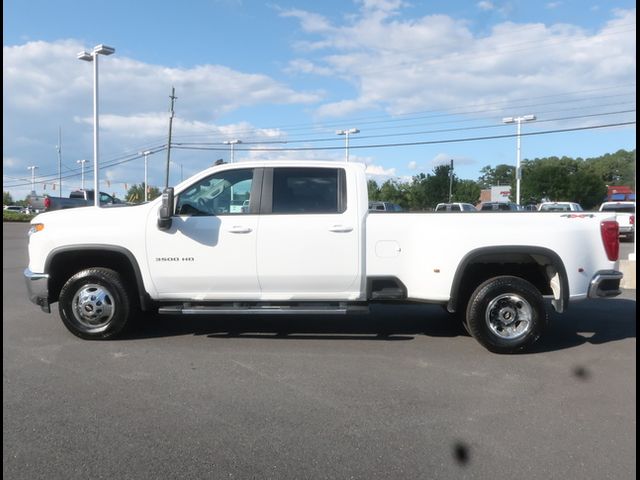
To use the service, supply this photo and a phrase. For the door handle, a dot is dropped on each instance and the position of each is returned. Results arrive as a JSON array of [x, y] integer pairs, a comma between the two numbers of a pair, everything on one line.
[[340, 228], [239, 229]]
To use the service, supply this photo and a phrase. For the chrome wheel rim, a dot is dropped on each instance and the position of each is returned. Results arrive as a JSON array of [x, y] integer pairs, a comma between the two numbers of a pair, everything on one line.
[[93, 307], [509, 316]]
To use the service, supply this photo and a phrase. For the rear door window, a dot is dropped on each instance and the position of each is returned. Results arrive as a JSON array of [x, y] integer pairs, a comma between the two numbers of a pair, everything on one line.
[[308, 190]]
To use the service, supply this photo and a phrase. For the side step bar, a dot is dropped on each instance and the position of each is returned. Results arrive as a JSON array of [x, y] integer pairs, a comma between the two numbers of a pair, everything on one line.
[[244, 309]]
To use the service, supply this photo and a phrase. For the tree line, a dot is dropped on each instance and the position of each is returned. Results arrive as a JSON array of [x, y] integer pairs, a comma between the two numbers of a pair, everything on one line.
[[578, 180]]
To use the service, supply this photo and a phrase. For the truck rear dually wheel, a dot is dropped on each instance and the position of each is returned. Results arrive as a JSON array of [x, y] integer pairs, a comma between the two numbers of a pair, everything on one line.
[[506, 314], [94, 304]]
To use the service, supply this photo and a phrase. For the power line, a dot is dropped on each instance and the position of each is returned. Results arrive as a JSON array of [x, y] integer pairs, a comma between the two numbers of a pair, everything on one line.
[[398, 144], [382, 119], [427, 142], [475, 127]]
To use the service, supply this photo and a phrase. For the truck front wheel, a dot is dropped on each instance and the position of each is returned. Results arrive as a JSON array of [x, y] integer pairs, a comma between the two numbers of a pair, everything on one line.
[[94, 304], [506, 314]]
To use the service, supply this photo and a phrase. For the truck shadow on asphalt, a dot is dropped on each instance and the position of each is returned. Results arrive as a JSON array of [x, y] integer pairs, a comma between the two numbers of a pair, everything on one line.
[[595, 322]]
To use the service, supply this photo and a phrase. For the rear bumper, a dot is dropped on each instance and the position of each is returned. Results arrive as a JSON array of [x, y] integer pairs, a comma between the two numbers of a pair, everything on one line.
[[605, 283], [38, 288]]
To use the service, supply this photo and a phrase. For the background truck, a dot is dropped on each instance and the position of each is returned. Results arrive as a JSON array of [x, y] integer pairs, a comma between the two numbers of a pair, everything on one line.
[[77, 198], [625, 216], [307, 244]]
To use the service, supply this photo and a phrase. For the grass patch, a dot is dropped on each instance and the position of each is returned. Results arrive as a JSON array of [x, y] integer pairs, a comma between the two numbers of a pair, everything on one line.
[[16, 216]]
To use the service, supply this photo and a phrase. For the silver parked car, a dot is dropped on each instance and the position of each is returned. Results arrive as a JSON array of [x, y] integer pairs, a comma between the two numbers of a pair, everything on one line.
[[455, 207], [559, 207]]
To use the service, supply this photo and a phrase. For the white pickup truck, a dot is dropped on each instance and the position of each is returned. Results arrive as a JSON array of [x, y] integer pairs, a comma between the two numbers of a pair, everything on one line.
[[625, 213], [282, 237]]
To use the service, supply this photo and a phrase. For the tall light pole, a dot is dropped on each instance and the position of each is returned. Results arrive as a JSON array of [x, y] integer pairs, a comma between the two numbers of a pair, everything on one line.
[[33, 169], [451, 181], [93, 57], [232, 143], [518, 121], [346, 133], [146, 171], [82, 162], [59, 149]]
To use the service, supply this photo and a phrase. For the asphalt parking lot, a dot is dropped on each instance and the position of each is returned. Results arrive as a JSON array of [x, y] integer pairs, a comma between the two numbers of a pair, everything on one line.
[[314, 397]]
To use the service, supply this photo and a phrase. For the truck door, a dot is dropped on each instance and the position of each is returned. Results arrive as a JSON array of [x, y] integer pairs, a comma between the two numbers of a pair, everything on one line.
[[308, 235], [209, 252]]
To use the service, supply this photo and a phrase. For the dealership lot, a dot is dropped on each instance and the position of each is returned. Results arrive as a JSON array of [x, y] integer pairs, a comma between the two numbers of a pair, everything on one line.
[[399, 393]]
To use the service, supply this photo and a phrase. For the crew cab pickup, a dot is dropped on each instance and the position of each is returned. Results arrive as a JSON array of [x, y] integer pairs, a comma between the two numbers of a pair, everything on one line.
[[77, 198], [305, 242]]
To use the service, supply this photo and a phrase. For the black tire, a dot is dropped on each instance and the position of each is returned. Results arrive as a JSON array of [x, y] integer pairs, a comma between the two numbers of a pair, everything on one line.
[[506, 314], [94, 304]]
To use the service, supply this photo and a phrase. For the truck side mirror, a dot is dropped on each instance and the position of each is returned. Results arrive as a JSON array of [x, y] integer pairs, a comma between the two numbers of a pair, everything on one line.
[[166, 209]]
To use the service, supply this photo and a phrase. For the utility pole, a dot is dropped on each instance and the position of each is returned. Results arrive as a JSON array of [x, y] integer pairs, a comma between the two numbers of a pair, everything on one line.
[[173, 99], [59, 148], [451, 181]]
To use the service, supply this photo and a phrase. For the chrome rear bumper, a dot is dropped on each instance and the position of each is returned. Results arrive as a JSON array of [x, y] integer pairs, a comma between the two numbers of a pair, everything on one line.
[[605, 283]]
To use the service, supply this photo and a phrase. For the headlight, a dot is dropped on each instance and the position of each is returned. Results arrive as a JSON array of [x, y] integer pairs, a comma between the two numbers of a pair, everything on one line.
[[36, 227]]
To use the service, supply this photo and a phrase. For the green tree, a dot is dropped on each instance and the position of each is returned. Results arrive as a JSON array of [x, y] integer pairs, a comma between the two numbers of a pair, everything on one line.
[[615, 168], [500, 175], [544, 179], [466, 191], [586, 188], [393, 191], [7, 199], [135, 194], [373, 190]]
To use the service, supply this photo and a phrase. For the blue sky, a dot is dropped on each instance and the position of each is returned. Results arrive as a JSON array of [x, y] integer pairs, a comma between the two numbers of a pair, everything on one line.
[[284, 76]]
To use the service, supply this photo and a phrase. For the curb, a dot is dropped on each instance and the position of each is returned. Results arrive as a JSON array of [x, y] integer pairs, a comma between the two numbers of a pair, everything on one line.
[[628, 268]]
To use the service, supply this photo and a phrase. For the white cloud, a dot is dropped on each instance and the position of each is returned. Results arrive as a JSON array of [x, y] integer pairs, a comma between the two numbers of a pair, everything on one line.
[[10, 162], [46, 87], [380, 174], [553, 5], [437, 62], [379, 170], [485, 5], [445, 159], [301, 65], [310, 22], [412, 165]]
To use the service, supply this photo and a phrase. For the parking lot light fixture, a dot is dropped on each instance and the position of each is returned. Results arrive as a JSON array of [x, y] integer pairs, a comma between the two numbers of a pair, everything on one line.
[[93, 57], [82, 162], [346, 133], [231, 143], [33, 169], [518, 121], [146, 154]]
